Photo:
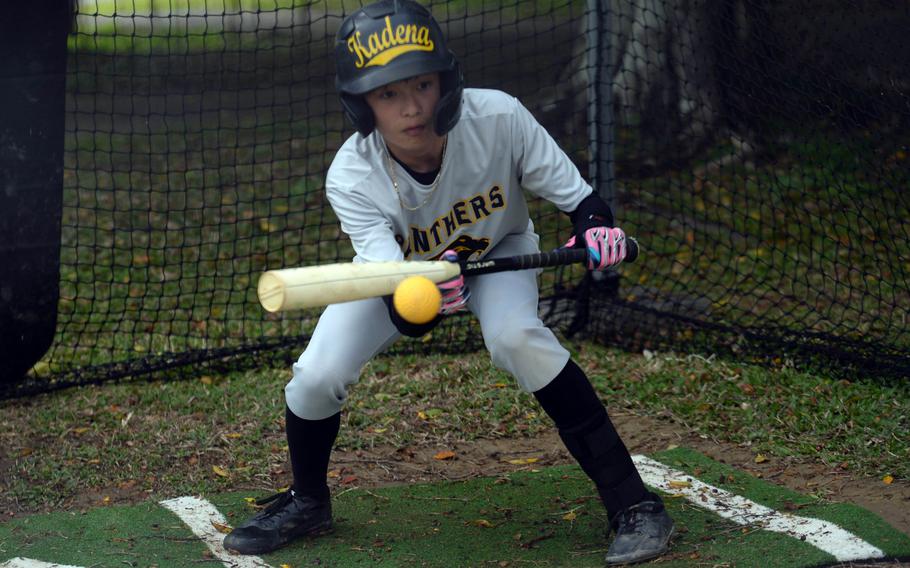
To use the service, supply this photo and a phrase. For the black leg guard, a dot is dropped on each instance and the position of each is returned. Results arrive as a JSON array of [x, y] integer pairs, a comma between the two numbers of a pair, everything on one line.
[[602, 455], [309, 447]]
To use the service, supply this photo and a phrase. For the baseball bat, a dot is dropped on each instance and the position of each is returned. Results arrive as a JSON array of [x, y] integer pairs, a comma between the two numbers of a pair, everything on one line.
[[313, 286]]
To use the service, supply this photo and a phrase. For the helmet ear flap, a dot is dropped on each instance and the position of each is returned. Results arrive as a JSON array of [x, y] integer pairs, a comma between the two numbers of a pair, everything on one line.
[[448, 109], [359, 113]]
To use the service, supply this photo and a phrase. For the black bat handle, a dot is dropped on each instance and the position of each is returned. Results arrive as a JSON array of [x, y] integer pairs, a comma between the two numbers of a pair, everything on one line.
[[558, 257]]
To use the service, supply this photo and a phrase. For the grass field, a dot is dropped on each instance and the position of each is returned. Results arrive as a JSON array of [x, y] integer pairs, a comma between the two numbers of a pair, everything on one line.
[[213, 433]]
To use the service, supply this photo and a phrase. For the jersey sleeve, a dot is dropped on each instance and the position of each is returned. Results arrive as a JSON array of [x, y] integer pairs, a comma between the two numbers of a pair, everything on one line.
[[370, 232], [543, 167]]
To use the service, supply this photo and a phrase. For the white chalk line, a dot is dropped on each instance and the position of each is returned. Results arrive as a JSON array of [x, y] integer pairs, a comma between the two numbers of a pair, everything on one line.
[[198, 514], [20, 562], [828, 537]]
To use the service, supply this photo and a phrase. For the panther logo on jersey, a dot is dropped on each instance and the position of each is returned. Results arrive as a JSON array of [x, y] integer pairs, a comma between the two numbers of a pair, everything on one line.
[[467, 246]]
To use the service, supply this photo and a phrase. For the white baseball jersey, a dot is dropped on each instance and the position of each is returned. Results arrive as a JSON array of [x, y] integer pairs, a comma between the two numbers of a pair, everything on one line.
[[496, 150]]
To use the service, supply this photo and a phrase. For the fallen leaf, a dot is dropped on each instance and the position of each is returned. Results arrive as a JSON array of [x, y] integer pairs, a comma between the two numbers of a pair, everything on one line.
[[570, 516], [126, 420], [760, 458], [482, 523], [679, 484], [220, 527], [220, 471], [888, 480], [444, 455], [523, 461]]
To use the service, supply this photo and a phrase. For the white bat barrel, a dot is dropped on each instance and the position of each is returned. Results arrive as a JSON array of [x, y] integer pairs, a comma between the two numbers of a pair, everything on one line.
[[314, 286]]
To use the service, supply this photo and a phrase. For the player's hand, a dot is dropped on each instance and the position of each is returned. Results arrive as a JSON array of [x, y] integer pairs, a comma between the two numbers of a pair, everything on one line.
[[455, 292], [606, 246]]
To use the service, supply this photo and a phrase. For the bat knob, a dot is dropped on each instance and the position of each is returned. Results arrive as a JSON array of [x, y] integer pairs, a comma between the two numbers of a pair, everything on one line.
[[631, 249]]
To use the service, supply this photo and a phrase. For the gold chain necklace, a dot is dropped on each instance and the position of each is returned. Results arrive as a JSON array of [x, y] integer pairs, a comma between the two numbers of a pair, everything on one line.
[[445, 143]]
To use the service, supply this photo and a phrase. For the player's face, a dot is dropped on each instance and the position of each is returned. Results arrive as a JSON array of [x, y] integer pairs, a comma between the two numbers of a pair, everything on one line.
[[404, 114]]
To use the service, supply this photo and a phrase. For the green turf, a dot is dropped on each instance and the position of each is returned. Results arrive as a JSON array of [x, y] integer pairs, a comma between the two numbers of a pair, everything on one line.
[[873, 529], [142, 535], [548, 517]]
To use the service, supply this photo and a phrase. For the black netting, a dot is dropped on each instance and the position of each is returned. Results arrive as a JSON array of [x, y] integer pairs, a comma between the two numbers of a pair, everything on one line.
[[758, 151]]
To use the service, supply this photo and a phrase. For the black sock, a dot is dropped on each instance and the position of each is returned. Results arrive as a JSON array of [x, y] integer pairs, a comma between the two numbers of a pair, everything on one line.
[[310, 445], [589, 435]]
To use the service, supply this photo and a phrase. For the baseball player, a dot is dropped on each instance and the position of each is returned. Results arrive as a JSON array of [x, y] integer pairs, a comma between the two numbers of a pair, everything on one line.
[[439, 171]]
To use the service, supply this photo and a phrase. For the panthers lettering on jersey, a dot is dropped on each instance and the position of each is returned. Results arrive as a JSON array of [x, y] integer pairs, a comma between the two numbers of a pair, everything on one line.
[[463, 213]]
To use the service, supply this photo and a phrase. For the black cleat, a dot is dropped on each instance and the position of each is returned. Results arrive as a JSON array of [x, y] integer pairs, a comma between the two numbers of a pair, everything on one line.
[[289, 516], [643, 532]]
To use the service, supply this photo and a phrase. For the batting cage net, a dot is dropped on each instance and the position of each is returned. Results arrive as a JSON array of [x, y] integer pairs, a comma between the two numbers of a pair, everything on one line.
[[757, 150]]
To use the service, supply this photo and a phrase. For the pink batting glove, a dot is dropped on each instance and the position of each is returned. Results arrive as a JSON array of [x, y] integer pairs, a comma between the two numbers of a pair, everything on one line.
[[455, 292], [606, 247]]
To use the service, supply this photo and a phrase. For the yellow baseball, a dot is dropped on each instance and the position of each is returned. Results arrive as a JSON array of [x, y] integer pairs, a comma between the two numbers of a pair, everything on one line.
[[417, 299]]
